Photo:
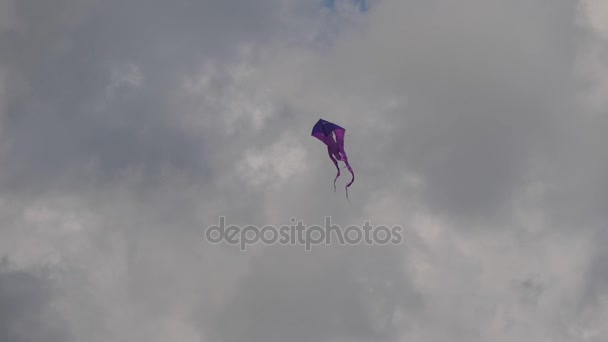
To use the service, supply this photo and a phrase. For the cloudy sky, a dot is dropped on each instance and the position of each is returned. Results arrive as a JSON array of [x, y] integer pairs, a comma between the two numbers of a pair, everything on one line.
[[127, 127]]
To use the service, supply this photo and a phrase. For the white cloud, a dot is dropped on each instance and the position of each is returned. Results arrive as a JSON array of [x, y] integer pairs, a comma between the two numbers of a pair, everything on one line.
[[596, 13], [283, 160]]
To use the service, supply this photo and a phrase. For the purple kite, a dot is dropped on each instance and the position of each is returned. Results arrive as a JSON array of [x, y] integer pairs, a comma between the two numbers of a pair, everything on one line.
[[332, 135]]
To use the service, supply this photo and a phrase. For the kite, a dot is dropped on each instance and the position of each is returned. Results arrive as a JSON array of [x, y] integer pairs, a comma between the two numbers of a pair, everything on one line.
[[332, 135]]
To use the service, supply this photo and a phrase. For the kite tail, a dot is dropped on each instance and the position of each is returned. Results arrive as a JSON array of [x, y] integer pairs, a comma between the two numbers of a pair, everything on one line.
[[337, 167], [352, 180]]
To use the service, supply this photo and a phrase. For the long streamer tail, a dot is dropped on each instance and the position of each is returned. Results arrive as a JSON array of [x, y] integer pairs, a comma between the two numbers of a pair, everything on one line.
[[337, 167], [352, 180]]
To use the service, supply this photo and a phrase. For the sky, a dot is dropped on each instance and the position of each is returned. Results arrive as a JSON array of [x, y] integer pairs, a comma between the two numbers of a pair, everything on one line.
[[127, 127]]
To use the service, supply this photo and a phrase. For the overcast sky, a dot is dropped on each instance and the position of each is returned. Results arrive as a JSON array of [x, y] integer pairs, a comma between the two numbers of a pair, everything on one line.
[[127, 127]]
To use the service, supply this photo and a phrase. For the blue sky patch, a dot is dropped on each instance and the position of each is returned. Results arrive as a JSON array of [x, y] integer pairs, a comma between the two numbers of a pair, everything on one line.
[[362, 4]]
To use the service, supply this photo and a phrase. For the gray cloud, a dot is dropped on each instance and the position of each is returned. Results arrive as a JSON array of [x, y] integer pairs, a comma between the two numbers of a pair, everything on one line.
[[480, 102], [128, 127], [26, 313], [289, 295], [67, 119]]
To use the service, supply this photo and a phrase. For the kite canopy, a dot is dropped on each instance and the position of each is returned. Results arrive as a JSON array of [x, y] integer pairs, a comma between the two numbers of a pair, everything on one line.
[[332, 135]]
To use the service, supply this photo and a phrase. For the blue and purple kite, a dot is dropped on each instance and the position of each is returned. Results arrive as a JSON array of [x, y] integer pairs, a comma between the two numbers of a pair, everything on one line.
[[332, 135]]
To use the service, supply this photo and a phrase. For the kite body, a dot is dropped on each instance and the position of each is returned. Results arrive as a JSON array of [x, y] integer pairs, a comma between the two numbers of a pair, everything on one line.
[[332, 135]]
